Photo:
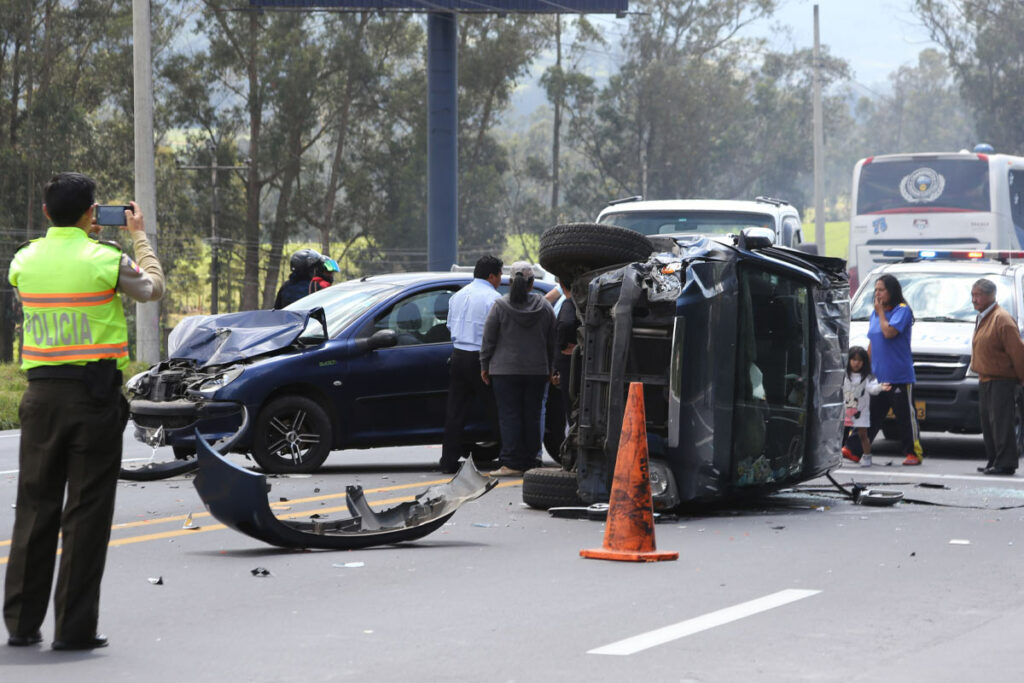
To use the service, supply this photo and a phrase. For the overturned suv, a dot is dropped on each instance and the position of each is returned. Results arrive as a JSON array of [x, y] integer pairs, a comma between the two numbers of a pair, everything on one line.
[[741, 349]]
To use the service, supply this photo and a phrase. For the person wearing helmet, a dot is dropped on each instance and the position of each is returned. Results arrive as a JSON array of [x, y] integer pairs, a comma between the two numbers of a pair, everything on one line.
[[324, 274], [304, 264]]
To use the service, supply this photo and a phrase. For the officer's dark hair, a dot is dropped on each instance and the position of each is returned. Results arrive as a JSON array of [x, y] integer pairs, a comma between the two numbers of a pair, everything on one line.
[[67, 196], [487, 266]]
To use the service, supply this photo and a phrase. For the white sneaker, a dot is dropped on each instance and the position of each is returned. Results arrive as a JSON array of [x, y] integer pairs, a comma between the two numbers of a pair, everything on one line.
[[865, 461]]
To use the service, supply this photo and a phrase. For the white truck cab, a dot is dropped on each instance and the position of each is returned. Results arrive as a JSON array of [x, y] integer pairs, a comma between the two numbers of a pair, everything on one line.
[[710, 217]]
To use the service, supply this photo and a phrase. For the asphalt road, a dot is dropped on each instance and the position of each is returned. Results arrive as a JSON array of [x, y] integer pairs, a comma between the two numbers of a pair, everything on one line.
[[801, 586]]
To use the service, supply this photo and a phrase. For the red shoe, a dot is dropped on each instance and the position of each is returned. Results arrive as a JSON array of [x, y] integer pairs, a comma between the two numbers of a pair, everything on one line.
[[849, 455], [912, 459]]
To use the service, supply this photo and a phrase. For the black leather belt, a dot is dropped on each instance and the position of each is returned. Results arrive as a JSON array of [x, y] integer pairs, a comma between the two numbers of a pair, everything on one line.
[[57, 372]]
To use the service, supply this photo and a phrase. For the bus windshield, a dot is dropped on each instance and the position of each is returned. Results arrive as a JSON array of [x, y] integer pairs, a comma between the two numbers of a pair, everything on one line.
[[923, 185]]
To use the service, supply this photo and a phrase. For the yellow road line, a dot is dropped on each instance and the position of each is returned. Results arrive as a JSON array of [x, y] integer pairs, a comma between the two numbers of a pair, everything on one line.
[[290, 515]]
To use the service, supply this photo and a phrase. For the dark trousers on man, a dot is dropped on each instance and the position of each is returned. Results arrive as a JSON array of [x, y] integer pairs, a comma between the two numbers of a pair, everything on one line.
[[520, 401], [465, 390], [69, 439], [997, 407], [901, 399]]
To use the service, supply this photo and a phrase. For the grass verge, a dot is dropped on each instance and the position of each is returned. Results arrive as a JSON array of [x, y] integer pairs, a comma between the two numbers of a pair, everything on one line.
[[12, 386]]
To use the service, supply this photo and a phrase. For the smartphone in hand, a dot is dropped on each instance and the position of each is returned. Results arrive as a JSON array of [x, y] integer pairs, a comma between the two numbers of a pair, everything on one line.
[[111, 214]]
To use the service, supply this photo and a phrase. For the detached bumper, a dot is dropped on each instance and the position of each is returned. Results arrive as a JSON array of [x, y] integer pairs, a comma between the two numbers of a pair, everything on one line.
[[237, 498], [174, 423]]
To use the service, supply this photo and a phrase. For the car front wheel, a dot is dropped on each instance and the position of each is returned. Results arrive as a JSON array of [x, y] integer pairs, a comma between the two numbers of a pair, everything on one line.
[[293, 434]]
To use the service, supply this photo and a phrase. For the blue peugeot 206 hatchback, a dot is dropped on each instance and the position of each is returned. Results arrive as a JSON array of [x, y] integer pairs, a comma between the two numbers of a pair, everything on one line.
[[361, 364]]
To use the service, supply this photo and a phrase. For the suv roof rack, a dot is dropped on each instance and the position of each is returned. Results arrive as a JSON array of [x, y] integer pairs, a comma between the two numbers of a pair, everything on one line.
[[771, 200], [626, 200]]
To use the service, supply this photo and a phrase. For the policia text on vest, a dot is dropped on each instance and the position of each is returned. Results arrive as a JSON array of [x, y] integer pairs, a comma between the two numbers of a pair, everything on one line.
[[72, 413]]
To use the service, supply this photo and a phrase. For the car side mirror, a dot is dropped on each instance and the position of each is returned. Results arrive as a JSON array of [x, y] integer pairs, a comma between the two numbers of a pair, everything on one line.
[[382, 339], [755, 238]]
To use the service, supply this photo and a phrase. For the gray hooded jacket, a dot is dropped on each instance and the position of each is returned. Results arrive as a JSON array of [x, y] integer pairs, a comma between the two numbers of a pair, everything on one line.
[[519, 339]]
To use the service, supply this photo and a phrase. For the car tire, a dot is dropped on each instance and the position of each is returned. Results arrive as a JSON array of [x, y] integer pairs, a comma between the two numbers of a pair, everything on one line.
[[293, 435], [183, 452], [548, 487], [571, 249], [155, 471]]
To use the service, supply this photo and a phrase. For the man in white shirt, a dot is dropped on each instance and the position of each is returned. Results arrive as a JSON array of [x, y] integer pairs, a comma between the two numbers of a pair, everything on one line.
[[467, 312]]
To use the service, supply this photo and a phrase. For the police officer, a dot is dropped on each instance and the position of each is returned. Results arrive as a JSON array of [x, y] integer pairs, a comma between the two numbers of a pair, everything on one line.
[[72, 414]]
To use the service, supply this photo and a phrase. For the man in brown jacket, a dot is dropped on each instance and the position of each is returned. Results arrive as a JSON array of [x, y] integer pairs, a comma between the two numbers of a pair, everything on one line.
[[997, 355]]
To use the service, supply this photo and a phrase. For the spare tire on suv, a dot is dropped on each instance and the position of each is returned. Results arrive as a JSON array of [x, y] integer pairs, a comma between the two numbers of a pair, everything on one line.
[[571, 249]]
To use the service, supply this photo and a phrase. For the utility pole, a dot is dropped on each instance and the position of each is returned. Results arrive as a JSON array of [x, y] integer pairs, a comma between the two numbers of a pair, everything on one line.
[[214, 211], [147, 316], [819, 147]]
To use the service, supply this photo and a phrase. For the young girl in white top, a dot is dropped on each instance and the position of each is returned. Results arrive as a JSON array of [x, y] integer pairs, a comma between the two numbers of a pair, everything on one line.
[[858, 388]]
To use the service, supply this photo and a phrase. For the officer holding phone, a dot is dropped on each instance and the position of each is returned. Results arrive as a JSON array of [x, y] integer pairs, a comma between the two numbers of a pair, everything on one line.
[[72, 414]]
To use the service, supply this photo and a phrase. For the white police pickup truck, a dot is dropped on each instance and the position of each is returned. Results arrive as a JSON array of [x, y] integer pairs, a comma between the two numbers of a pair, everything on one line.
[[708, 217], [937, 286]]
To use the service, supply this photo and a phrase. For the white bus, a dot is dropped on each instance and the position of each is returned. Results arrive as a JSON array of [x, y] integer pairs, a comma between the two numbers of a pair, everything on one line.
[[961, 200]]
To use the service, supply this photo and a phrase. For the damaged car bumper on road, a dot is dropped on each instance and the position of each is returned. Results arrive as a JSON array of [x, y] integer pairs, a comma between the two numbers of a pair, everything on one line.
[[237, 498]]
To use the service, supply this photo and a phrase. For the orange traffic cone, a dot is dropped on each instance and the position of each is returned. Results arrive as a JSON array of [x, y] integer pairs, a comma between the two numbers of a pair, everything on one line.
[[629, 531]]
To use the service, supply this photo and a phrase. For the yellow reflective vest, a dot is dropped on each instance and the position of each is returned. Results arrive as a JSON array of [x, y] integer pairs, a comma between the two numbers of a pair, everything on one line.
[[67, 284]]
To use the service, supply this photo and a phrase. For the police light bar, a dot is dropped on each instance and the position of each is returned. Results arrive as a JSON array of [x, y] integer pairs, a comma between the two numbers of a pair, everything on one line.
[[963, 255]]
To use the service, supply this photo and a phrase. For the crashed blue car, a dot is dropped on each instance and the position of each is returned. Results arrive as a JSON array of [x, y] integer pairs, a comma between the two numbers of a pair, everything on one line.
[[360, 364]]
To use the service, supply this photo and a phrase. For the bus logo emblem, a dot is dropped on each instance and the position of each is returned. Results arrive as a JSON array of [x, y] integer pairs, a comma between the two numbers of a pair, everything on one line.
[[920, 223], [879, 225], [923, 185]]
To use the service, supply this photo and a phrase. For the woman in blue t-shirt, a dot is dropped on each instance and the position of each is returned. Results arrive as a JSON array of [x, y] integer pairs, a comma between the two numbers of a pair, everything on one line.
[[889, 346]]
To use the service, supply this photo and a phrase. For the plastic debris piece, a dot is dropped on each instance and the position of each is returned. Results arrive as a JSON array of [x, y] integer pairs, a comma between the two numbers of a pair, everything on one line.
[[959, 541], [927, 485], [282, 499], [188, 523], [348, 565], [316, 490], [260, 571], [778, 528], [485, 525], [913, 554], [156, 580]]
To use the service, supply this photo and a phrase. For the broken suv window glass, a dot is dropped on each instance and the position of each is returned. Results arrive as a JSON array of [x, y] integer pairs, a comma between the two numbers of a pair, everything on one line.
[[772, 375]]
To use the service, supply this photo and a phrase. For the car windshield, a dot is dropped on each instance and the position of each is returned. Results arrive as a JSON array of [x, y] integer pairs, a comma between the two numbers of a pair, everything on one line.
[[695, 222], [937, 296], [342, 304]]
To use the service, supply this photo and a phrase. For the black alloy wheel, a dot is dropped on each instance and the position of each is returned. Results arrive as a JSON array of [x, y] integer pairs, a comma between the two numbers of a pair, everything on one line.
[[293, 435]]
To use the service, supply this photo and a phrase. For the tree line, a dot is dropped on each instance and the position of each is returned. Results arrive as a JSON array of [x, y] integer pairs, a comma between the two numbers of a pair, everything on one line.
[[317, 121]]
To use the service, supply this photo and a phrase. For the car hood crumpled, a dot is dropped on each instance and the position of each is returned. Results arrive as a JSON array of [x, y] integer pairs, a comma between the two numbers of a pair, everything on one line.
[[229, 337]]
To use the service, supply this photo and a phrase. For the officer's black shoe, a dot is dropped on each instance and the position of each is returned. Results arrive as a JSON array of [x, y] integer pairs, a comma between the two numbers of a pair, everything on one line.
[[24, 641], [447, 468], [999, 470], [98, 640]]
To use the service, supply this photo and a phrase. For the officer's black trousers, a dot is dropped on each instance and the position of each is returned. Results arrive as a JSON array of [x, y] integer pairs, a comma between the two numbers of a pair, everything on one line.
[[70, 440]]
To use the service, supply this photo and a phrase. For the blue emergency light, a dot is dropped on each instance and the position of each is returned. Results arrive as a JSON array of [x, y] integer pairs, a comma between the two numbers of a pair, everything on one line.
[[952, 255]]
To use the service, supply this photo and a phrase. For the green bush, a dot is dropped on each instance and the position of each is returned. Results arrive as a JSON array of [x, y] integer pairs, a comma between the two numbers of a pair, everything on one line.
[[12, 386]]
